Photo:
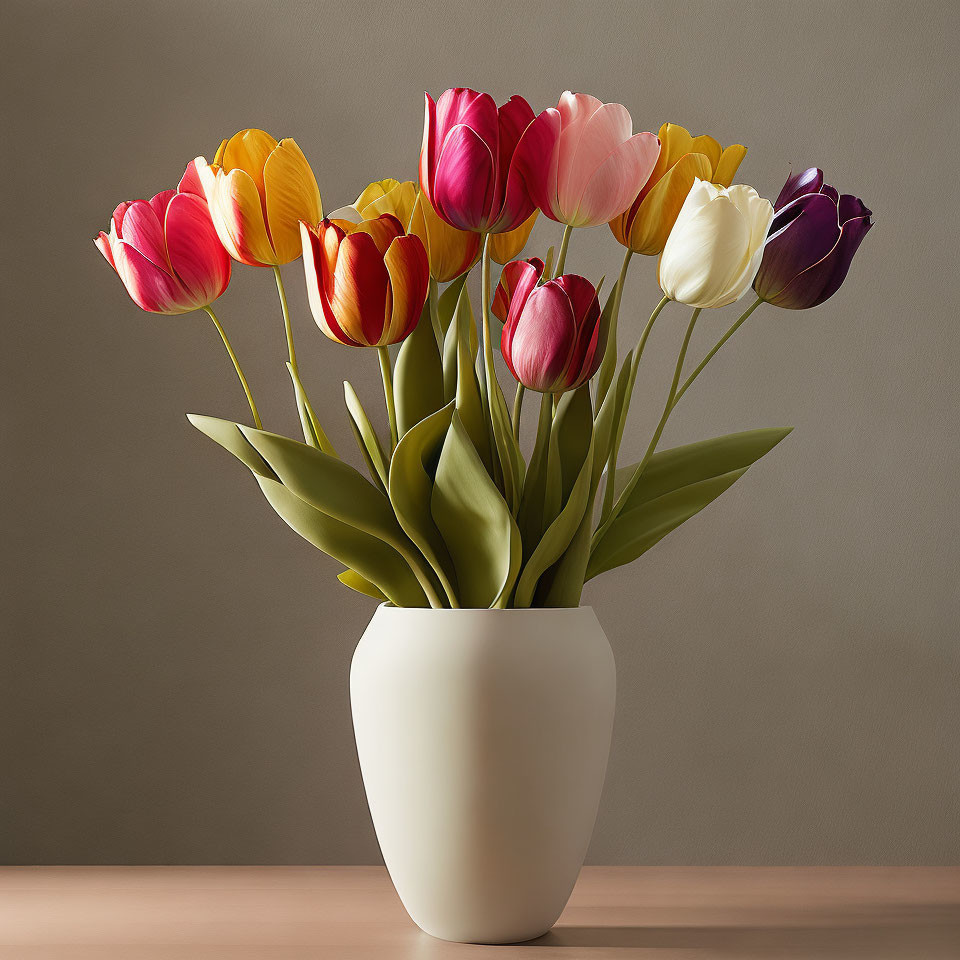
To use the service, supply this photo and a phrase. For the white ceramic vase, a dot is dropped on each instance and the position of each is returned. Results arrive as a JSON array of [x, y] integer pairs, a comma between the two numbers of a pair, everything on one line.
[[483, 738]]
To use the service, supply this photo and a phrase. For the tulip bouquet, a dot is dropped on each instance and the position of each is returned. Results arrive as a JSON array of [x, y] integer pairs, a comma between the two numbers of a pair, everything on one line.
[[451, 512]]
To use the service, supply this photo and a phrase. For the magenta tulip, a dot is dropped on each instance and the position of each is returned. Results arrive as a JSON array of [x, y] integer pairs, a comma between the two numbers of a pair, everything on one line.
[[166, 250], [590, 166], [471, 159], [552, 339]]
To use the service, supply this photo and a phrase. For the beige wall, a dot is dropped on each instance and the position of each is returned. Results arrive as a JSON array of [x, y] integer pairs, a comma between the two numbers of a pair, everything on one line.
[[177, 659]]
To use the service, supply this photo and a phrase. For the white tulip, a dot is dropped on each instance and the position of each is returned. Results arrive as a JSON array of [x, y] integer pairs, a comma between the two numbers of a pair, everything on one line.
[[715, 247]]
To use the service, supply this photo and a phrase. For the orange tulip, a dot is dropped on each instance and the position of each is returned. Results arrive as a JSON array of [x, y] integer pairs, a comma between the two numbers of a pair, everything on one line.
[[450, 251], [258, 190], [367, 282], [645, 225], [505, 247]]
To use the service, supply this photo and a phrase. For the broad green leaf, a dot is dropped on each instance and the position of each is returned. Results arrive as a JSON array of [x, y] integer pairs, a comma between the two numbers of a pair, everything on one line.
[[411, 485], [562, 585], [332, 486], [228, 435], [559, 534], [670, 469], [573, 428], [448, 300], [475, 523], [636, 531], [353, 580], [418, 375], [448, 307], [370, 557], [509, 456], [469, 404], [309, 422], [366, 436]]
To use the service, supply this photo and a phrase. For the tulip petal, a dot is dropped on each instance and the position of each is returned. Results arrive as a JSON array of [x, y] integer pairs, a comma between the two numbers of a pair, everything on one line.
[[465, 180], [712, 150], [534, 169], [617, 180], [428, 146], [699, 262], [361, 287], [196, 255], [383, 230], [513, 118], [507, 246], [586, 311], [290, 195], [823, 279], [314, 268], [103, 245], [807, 181], [461, 105], [409, 272], [543, 338], [190, 181], [143, 230], [585, 143], [851, 208], [726, 168], [519, 275], [150, 287], [248, 150], [238, 216]]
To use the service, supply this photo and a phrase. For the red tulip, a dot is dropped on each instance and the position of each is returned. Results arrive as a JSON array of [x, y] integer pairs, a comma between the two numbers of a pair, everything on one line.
[[367, 282], [166, 250], [552, 339], [471, 159]]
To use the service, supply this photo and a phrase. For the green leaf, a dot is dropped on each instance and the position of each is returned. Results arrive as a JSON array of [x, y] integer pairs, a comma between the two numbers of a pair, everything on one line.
[[366, 436], [475, 523], [562, 585], [309, 422], [418, 375], [412, 470], [332, 486], [508, 450], [228, 435], [670, 469], [468, 398], [573, 428], [449, 299], [531, 511], [636, 531], [370, 557], [353, 580], [559, 534]]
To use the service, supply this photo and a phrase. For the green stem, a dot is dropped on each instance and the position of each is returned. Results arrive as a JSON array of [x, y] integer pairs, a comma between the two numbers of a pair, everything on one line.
[[608, 367], [668, 406], [699, 369], [384, 354], [517, 405], [288, 329], [628, 395], [562, 255], [236, 366]]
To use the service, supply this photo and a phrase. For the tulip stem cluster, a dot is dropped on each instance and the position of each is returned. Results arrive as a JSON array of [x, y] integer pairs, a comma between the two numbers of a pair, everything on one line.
[[236, 365]]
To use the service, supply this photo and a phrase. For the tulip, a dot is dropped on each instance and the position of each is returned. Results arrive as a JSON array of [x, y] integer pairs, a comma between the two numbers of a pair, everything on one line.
[[367, 282], [449, 250], [510, 277], [590, 165], [552, 339], [813, 237], [387, 196], [166, 250], [714, 249], [259, 189], [471, 159], [645, 225], [505, 247]]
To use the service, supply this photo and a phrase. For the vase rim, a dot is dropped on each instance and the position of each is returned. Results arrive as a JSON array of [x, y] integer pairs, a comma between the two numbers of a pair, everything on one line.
[[393, 607]]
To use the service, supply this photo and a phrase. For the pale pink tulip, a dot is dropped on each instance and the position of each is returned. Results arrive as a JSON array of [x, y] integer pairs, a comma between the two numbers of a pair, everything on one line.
[[166, 250], [595, 166]]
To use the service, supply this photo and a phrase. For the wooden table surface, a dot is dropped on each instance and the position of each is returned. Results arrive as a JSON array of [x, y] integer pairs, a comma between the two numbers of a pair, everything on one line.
[[352, 913]]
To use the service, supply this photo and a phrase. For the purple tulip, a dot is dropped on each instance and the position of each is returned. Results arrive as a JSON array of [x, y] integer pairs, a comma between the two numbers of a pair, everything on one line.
[[812, 240]]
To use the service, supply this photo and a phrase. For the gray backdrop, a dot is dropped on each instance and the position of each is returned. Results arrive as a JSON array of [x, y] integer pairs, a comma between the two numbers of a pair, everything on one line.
[[176, 659]]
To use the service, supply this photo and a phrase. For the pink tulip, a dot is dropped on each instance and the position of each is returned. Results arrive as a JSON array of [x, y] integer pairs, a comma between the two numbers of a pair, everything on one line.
[[471, 158], [166, 250], [552, 339], [593, 167]]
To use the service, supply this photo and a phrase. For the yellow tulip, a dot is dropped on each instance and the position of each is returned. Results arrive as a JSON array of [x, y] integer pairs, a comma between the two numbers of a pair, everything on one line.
[[505, 247], [645, 225], [387, 196], [449, 250], [258, 190]]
